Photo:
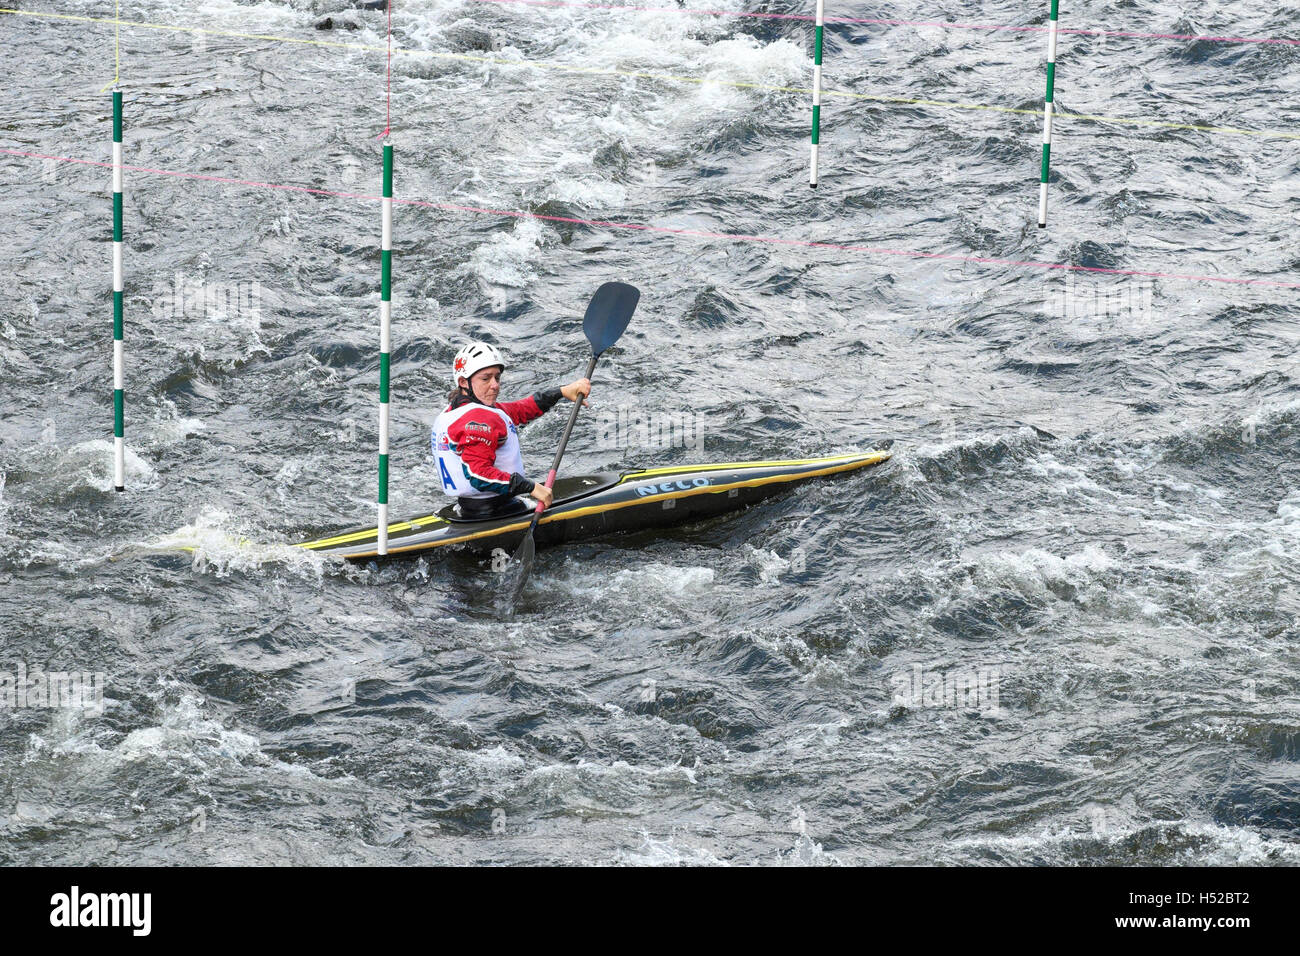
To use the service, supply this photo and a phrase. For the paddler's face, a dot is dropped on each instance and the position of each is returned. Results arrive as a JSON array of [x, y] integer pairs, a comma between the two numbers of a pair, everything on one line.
[[486, 384]]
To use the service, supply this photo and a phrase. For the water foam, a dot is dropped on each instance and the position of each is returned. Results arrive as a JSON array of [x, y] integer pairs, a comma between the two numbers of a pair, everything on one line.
[[619, 768], [89, 464], [1041, 575], [217, 546], [666, 852], [806, 852], [639, 584], [511, 258]]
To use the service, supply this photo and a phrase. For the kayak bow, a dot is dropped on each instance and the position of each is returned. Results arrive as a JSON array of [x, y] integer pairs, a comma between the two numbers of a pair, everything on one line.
[[603, 504]]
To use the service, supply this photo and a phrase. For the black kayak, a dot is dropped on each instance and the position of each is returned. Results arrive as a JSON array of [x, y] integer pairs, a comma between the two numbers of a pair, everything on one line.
[[602, 504]]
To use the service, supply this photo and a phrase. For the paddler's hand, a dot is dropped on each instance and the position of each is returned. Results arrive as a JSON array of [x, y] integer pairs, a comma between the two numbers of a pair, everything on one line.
[[580, 387], [542, 494]]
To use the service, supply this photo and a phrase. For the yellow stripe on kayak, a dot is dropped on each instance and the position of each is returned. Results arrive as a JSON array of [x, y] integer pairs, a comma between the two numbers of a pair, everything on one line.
[[411, 525], [846, 463], [685, 469]]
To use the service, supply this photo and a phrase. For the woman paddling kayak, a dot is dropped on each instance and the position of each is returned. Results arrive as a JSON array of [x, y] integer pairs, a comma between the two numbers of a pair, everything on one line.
[[476, 441]]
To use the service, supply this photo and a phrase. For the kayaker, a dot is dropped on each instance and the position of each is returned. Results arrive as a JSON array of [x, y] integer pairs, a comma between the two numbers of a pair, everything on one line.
[[476, 441]]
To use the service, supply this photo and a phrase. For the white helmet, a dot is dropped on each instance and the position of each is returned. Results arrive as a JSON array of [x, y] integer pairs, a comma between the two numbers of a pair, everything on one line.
[[472, 358]]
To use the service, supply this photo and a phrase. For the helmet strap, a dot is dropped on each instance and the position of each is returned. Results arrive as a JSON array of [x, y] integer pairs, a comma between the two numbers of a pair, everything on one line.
[[467, 390]]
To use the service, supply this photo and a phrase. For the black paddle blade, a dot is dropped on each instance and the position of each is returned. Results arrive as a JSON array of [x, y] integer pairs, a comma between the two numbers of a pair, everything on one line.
[[608, 314]]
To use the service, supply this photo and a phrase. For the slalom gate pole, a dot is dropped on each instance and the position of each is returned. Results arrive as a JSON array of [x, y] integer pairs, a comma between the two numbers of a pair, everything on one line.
[[119, 376], [817, 89], [1047, 117], [385, 343]]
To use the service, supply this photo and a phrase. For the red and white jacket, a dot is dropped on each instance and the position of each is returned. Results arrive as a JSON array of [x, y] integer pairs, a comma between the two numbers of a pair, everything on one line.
[[477, 446]]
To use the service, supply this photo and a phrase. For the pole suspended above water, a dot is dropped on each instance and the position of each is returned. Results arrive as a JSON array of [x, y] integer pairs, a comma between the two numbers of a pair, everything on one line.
[[817, 89], [1047, 117], [385, 342], [119, 377]]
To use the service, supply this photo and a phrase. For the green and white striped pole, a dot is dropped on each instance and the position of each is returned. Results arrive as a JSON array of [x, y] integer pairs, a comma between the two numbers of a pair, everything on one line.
[[385, 342], [119, 377], [1047, 117], [817, 90]]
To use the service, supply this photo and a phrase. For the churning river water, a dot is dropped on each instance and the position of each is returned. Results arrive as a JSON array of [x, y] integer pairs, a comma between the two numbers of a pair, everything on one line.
[[1059, 626]]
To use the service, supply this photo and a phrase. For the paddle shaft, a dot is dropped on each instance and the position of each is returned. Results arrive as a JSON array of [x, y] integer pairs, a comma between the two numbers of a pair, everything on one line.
[[559, 452], [607, 316]]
